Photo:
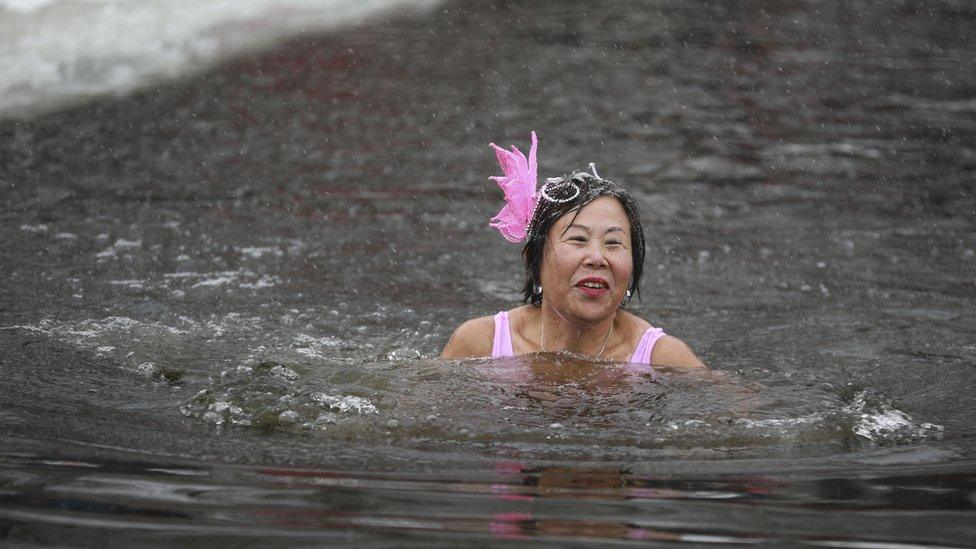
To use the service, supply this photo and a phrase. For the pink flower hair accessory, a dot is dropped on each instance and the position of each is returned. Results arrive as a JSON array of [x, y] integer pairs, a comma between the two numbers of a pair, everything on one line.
[[519, 186]]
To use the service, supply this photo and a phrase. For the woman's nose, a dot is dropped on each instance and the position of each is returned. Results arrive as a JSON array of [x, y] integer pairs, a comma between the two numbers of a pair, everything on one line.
[[594, 257]]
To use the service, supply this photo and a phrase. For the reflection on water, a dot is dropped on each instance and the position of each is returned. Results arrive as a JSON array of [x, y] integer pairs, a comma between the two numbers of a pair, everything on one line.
[[513, 501], [225, 295]]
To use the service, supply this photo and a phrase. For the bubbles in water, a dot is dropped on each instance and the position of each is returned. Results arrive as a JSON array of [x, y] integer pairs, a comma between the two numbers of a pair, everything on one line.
[[404, 354], [315, 347], [147, 368], [269, 396], [288, 416], [345, 404], [880, 422], [282, 372], [869, 416]]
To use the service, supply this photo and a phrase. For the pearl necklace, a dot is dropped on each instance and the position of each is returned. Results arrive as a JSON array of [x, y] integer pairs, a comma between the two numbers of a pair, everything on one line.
[[542, 335]]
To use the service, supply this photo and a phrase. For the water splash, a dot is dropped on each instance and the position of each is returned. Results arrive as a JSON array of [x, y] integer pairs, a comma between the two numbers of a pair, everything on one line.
[[272, 396], [878, 421]]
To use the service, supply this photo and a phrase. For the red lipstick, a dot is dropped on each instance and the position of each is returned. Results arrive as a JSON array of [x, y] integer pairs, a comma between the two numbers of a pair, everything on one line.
[[593, 286]]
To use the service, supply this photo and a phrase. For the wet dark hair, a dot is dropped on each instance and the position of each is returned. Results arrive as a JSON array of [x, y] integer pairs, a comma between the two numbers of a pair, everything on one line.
[[570, 193]]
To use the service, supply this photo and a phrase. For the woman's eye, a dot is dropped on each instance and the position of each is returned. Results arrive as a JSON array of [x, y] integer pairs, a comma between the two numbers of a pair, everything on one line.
[[614, 243], [577, 239]]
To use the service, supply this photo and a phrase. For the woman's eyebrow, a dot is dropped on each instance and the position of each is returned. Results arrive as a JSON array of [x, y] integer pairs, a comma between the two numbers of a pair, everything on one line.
[[589, 230]]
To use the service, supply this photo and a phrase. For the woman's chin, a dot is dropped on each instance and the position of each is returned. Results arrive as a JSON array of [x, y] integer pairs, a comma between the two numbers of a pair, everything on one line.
[[592, 311]]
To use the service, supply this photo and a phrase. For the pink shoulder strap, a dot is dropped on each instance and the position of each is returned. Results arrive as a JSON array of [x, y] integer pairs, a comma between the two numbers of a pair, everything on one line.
[[501, 345], [642, 355]]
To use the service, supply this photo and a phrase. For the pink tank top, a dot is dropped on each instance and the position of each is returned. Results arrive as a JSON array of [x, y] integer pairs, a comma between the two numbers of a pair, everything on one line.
[[502, 344]]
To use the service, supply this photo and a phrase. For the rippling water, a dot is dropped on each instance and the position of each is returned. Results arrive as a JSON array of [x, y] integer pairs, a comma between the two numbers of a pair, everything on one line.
[[224, 296]]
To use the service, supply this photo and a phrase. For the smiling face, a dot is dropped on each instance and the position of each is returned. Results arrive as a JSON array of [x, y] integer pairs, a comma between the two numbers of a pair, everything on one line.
[[588, 264]]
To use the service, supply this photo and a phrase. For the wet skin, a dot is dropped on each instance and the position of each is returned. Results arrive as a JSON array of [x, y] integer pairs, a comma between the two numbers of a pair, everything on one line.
[[585, 273], [588, 263]]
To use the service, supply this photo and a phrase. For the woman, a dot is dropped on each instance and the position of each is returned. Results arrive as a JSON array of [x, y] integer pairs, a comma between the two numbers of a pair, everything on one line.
[[584, 256]]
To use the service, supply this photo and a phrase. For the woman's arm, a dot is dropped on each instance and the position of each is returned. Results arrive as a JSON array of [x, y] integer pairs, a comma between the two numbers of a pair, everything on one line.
[[671, 351], [473, 339]]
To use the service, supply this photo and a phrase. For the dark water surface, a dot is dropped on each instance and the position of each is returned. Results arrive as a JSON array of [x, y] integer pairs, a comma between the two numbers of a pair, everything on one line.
[[224, 296]]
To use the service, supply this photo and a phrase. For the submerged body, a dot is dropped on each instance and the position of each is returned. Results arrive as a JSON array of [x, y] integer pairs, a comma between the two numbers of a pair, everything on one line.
[[516, 332]]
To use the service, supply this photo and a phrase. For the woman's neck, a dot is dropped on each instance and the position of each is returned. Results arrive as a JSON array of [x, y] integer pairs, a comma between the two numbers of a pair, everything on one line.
[[557, 332]]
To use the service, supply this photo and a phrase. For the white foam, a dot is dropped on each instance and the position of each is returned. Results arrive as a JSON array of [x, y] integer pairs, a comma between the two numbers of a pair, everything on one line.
[[24, 6], [257, 253], [123, 243], [313, 347], [55, 50], [120, 245], [250, 279], [359, 405], [133, 283], [138, 341], [84, 332], [265, 281], [284, 372], [183, 275], [880, 422], [327, 341], [309, 352], [219, 281], [188, 274]]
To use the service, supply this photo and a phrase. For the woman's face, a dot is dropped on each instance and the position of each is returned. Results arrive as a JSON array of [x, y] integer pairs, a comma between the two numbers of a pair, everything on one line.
[[587, 265]]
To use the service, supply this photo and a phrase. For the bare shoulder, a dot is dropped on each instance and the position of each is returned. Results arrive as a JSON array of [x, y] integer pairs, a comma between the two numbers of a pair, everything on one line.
[[520, 316], [472, 339], [633, 323], [671, 351]]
